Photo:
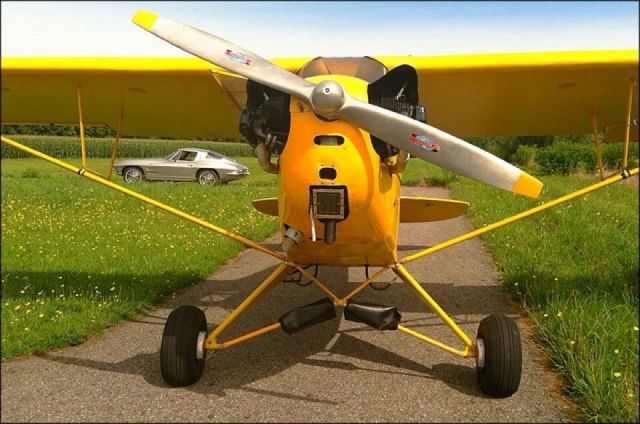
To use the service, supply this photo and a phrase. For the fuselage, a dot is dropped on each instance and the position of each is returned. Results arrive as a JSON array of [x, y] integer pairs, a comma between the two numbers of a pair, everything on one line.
[[368, 234]]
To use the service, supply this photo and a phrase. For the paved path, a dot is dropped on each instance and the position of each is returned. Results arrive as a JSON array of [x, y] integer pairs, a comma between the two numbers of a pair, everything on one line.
[[336, 371]]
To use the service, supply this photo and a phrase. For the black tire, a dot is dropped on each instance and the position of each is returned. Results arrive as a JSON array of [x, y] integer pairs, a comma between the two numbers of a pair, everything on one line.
[[132, 174], [500, 374], [178, 362], [208, 177]]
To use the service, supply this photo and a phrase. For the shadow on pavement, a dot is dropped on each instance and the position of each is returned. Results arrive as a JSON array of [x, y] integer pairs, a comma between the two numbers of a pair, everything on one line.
[[269, 355]]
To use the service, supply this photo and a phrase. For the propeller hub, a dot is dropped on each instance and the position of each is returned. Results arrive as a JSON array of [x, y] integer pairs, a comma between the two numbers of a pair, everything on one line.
[[327, 98]]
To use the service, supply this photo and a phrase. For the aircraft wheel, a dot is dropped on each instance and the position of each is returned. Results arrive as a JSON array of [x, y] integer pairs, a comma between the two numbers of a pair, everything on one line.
[[132, 174], [182, 353], [499, 360], [208, 177]]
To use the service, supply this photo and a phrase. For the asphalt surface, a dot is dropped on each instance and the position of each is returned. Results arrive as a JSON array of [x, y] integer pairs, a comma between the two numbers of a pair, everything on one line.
[[336, 371]]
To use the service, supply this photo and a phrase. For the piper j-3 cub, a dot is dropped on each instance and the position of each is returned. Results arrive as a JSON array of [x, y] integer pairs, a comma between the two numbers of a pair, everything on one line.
[[342, 130]]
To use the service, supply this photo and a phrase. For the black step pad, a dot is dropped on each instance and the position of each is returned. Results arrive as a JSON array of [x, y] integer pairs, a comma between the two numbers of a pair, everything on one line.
[[380, 317], [307, 316]]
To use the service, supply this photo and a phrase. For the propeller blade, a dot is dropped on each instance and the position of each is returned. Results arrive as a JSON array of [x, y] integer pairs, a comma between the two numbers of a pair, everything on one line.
[[224, 54], [438, 147], [329, 99]]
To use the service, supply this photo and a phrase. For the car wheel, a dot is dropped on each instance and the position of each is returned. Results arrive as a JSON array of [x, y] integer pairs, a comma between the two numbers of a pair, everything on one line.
[[208, 177], [132, 174], [182, 354], [499, 360]]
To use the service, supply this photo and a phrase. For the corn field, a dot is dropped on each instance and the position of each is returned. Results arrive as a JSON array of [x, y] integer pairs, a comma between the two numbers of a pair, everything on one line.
[[64, 147]]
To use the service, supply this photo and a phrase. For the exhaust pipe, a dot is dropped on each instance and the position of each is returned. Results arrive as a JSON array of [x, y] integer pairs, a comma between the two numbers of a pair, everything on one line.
[[264, 159], [401, 163]]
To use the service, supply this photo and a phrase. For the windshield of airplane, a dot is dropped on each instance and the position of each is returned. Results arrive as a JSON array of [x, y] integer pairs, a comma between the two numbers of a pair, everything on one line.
[[365, 68]]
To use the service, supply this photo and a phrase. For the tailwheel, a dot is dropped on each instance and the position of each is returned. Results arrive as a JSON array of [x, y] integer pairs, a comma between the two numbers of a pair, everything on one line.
[[499, 359], [182, 353]]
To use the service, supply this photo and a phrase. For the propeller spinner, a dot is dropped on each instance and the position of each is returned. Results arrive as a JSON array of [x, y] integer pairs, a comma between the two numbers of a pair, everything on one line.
[[329, 99]]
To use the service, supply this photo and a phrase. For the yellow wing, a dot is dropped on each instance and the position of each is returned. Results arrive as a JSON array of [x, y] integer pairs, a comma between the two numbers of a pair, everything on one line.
[[159, 97], [469, 95], [551, 93]]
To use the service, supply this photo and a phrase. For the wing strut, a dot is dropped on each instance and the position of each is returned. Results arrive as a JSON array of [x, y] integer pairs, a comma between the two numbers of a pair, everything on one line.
[[598, 143], [83, 141], [116, 142], [627, 130], [225, 90], [83, 145], [612, 132]]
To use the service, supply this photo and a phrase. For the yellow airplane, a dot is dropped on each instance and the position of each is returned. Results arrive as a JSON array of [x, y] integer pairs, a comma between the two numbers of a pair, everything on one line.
[[342, 130]]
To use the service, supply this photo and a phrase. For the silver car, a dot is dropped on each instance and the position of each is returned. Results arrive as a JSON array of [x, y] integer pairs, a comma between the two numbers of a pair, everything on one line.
[[187, 164]]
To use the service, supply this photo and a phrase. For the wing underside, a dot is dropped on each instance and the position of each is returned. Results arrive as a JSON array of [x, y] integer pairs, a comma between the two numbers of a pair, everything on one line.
[[553, 93], [471, 95]]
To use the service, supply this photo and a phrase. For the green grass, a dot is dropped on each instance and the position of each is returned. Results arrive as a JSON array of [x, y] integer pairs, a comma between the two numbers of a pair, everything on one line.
[[575, 268], [78, 257]]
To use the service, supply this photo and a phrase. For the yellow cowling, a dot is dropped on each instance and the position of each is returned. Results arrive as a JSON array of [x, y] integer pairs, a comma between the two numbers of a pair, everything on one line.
[[369, 234]]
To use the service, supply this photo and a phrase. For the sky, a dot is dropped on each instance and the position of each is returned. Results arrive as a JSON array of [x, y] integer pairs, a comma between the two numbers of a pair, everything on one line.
[[282, 29]]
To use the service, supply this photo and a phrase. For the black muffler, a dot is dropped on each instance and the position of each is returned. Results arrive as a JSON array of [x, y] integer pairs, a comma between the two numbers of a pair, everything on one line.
[[307, 316], [377, 316]]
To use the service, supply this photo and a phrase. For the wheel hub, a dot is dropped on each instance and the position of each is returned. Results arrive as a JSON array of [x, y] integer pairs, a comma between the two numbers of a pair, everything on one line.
[[480, 353], [202, 336], [133, 175], [206, 179]]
